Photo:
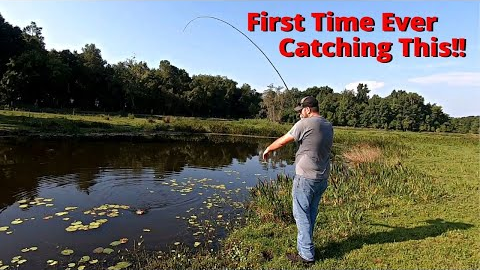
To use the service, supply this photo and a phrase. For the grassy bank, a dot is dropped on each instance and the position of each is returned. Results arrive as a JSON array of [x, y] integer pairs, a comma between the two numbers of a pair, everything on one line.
[[49, 124], [395, 200], [14, 123]]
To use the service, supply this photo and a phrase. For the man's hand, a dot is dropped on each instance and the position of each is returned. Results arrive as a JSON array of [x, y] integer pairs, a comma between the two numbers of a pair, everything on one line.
[[278, 143], [266, 154]]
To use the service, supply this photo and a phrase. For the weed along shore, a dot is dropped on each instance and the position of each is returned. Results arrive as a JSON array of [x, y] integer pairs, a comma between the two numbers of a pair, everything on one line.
[[171, 193]]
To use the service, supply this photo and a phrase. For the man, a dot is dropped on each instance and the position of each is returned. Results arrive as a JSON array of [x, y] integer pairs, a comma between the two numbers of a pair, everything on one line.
[[314, 134]]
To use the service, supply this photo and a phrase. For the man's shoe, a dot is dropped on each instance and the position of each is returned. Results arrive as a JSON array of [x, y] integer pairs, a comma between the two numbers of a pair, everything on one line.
[[294, 257]]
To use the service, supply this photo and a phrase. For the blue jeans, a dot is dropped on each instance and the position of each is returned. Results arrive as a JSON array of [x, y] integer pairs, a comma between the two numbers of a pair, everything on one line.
[[306, 195]]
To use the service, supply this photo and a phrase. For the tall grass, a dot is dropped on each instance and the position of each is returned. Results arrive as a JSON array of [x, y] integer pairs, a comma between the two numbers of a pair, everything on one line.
[[359, 187]]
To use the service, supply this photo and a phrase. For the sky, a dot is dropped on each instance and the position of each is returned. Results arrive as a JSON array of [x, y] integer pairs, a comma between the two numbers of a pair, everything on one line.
[[152, 31]]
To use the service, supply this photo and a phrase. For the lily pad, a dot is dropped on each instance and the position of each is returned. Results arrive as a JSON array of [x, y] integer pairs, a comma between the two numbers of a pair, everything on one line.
[[120, 265], [71, 265], [108, 250], [17, 221], [81, 267], [23, 205], [3, 229], [98, 250], [196, 244], [93, 226], [67, 252], [22, 261], [84, 259], [52, 262], [115, 243], [123, 264], [146, 230], [94, 261], [70, 208], [4, 267]]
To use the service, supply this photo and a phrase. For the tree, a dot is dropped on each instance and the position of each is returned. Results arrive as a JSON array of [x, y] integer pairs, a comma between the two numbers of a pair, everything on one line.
[[11, 42]]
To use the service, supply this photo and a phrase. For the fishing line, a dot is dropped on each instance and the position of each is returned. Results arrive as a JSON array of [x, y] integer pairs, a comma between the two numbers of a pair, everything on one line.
[[211, 17]]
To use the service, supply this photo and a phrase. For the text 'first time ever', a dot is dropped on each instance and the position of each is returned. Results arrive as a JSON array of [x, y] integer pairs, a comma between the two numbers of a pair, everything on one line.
[[328, 22]]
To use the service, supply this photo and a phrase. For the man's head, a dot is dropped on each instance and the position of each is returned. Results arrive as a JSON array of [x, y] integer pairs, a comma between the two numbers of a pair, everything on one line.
[[307, 106]]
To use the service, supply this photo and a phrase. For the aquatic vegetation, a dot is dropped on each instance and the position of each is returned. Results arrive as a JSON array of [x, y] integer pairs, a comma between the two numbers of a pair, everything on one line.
[[52, 262], [67, 252], [107, 250], [79, 226], [24, 250], [120, 265], [98, 250], [17, 221], [84, 259]]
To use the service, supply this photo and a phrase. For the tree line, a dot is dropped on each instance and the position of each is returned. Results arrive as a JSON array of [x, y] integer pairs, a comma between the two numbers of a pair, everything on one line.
[[33, 77]]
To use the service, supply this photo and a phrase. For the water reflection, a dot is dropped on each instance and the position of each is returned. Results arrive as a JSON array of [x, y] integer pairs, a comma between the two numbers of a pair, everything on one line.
[[173, 178], [24, 164]]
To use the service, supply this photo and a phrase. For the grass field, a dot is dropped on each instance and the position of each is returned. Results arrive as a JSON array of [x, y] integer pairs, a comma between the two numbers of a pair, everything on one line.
[[396, 200]]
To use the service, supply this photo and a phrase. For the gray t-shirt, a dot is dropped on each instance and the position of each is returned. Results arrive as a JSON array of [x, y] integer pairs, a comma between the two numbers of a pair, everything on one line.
[[315, 138]]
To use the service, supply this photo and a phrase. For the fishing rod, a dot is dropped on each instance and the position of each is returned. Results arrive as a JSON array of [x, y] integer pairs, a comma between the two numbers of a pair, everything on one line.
[[211, 17]]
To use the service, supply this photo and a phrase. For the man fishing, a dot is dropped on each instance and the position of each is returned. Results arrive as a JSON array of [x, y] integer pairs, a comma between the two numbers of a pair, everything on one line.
[[315, 137], [314, 134]]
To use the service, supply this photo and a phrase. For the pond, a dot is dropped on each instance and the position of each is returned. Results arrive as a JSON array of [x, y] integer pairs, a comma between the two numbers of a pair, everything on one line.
[[79, 195]]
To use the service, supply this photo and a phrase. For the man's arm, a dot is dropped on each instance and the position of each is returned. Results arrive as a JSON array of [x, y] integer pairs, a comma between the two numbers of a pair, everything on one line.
[[278, 143]]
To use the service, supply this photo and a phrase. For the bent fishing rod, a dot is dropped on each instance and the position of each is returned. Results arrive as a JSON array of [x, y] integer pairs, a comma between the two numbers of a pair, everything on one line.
[[211, 17]]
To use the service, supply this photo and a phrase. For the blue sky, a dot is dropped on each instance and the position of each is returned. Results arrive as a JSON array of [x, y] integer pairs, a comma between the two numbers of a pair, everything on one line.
[[153, 31]]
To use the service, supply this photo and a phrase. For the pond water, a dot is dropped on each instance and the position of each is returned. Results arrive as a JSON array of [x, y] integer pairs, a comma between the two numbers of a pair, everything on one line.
[[81, 195]]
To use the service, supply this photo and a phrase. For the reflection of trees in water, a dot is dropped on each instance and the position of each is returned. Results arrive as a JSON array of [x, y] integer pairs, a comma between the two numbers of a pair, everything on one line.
[[15, 183], [24, 165]]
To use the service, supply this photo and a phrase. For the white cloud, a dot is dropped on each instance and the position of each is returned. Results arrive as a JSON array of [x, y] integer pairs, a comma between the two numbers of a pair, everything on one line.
[[450, 78], [372, 85]]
